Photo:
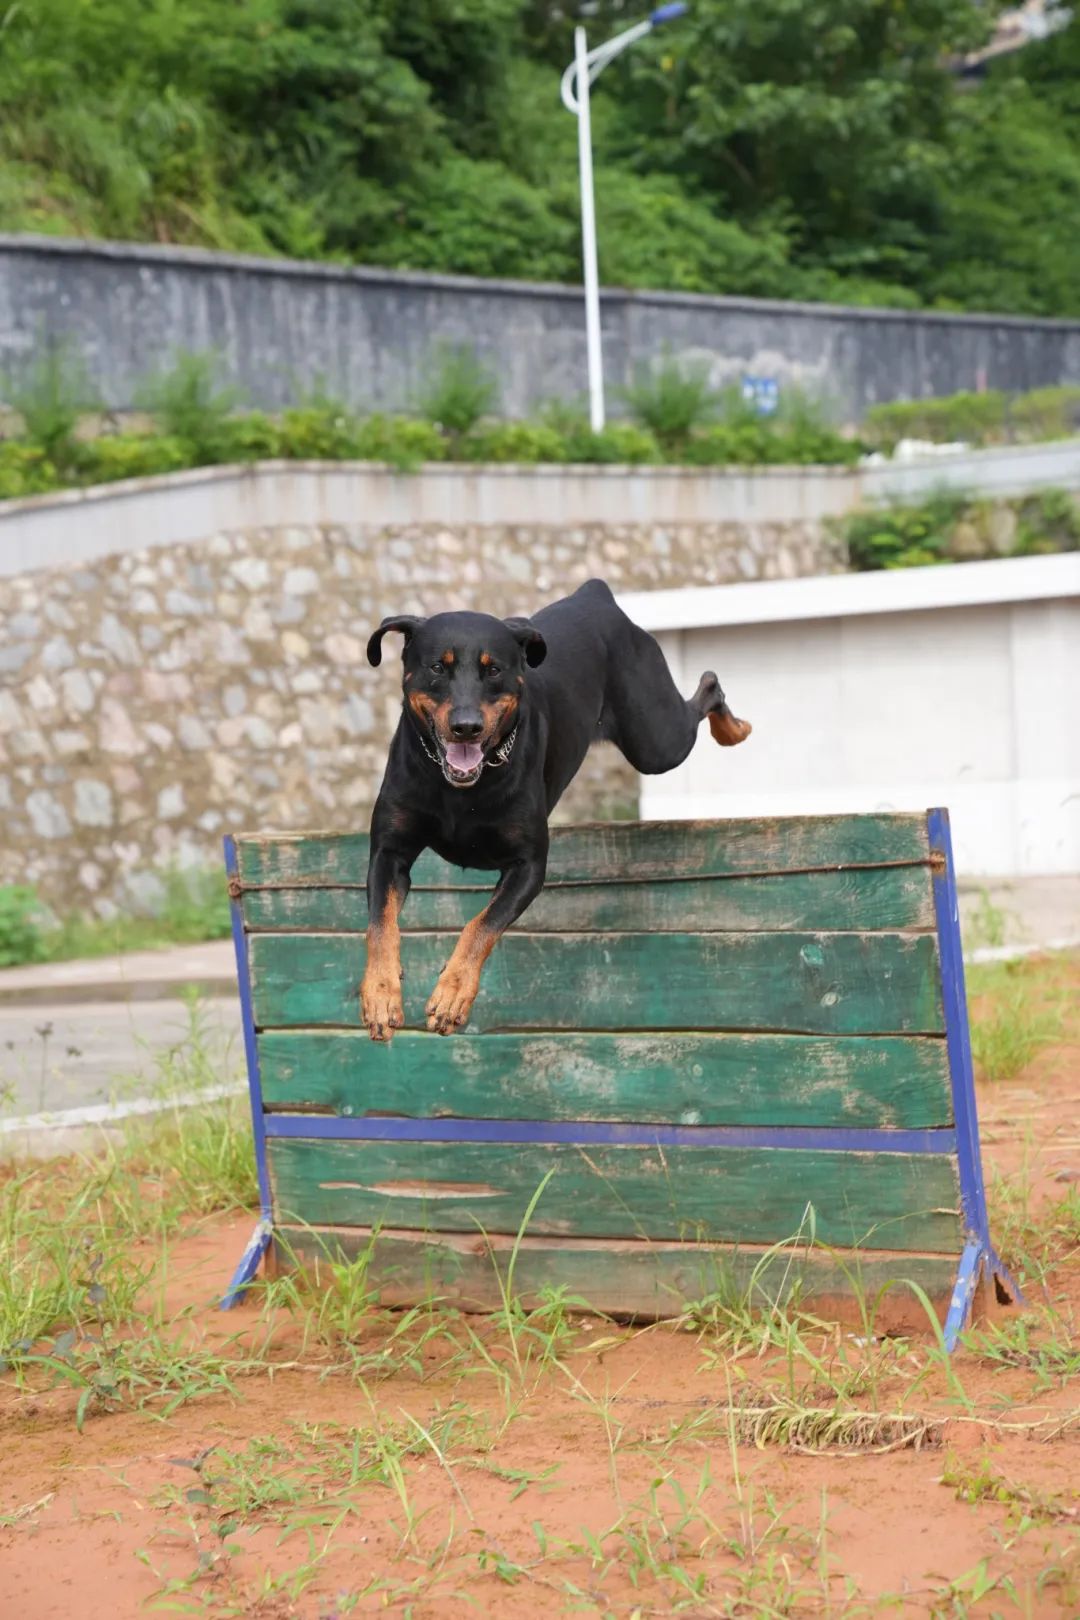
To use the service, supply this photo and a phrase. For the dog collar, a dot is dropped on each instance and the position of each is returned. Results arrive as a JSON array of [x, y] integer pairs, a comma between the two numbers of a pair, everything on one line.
[[502, 753]]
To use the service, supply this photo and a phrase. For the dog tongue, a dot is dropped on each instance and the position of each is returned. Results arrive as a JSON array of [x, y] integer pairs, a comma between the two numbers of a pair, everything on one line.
[[464, 757]]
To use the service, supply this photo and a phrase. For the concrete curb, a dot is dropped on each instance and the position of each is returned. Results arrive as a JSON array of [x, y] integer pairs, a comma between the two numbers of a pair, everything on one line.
[[82, 1130], [146, 989]]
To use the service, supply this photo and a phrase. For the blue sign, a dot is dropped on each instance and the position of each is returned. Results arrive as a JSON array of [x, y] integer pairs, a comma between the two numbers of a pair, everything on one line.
[[763, 393]]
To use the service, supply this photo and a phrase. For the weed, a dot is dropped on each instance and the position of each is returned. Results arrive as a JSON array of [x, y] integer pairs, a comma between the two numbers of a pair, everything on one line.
[[671, 400], [460, 390], [21, 936], [50, 398], [980, 1482], [192, 404], [1011, 1020], [1041, 1344], [987, 923]]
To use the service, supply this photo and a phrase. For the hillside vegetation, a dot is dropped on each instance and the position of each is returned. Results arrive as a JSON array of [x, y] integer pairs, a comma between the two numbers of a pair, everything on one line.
[[793, 148]]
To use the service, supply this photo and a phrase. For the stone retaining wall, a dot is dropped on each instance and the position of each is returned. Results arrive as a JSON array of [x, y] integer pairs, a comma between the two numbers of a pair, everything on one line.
[[151, 701]]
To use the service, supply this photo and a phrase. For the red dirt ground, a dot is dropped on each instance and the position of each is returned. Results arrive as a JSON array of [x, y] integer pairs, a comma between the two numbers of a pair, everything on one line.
[[96, 1524]]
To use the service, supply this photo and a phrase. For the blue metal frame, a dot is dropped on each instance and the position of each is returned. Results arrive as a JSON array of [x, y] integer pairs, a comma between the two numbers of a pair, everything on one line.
[[260, 1238], [978, 1261], [329, 1127]]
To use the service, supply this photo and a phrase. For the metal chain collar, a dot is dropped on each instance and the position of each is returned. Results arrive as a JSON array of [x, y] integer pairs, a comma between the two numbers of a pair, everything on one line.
[[502, 753]]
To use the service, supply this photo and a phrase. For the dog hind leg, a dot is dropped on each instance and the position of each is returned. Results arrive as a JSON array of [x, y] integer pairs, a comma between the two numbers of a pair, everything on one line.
[[646, 716]]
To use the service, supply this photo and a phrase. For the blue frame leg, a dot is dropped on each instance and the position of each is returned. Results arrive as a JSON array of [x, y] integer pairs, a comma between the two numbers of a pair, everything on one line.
[[967, 1280], [264, 1231], [249, 1265]]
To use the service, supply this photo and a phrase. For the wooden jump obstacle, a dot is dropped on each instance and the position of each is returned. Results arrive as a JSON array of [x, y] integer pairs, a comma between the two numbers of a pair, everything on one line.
[[740, 1048]]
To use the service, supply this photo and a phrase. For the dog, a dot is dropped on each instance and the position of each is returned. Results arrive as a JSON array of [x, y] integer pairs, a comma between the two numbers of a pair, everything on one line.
[[497, 717]]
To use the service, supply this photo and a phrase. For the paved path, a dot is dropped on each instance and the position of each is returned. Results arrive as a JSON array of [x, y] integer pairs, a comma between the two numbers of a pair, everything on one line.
[[67, 1056]]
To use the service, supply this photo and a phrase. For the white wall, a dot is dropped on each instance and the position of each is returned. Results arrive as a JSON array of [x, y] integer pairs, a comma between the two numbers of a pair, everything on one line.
[[954, 686]]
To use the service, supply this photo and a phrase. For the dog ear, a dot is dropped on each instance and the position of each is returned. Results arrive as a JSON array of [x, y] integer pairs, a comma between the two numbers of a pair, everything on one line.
[[407, 623], [529, 637]]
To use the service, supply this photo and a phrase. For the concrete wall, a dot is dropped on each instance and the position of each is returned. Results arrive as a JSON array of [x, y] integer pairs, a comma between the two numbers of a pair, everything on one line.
[[368, 334], [78, 525], [951, 686]]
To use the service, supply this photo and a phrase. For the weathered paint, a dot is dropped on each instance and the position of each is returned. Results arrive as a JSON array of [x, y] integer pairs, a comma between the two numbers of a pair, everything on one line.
[[717, 1193], [610, 851], [859, 898], [687, 1078], [814, 983]]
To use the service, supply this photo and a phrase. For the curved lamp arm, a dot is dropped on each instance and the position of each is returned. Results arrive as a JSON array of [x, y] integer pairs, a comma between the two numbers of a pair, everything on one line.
[[599, 57]]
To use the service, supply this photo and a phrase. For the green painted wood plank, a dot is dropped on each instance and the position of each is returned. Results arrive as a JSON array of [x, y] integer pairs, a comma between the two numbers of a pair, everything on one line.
[[624, 1279], [615, 850], [881, 1082], [837, 984], [876, 898], [732, 1195]]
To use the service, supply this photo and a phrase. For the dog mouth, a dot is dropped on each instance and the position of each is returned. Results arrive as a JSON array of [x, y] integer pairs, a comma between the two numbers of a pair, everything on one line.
[[462, 762]]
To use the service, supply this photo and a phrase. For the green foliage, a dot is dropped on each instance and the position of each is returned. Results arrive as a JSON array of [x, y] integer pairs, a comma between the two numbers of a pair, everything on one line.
[[619, 443], [972, 418], [21, 938], [193, 405], [815, 151], [131, 455], [461, 390], [671, 400], [1048, 522], [951, 527], [402, 441], [193, 906], [986, 418], [25, 469], [902, 536], [322, 430], [50, 397], [1045, 413], [525, 442]]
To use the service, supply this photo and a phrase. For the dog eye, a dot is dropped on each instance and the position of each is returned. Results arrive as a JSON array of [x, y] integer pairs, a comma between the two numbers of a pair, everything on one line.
[[439, 668], [493, 670]]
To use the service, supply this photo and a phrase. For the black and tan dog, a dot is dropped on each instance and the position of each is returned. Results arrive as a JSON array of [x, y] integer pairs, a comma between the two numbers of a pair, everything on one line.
[[497, 718]]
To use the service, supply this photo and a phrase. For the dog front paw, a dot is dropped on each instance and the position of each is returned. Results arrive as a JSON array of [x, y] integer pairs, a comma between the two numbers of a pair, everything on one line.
[[381, 1008], [452, 1000]]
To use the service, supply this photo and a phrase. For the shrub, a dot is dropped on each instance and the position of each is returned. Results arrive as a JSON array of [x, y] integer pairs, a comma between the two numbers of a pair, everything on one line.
[[25, 469], [671, 400], [1048, 522], [191, 403], [21, 939], [130, 455], [251, 436], [461, 390], [971, 418], [902, 536], [51, 397], [320, 431], [527, 442], [725, 445], [617, 444], [1045, 413], [403, 441]]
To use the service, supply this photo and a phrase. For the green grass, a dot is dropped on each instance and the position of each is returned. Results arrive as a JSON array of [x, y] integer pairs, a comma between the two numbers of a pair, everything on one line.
[[1016, 1011], [463, 1441], [193, 907]]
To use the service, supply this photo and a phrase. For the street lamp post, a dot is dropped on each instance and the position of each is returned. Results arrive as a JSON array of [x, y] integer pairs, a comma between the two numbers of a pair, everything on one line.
[[575, 97]]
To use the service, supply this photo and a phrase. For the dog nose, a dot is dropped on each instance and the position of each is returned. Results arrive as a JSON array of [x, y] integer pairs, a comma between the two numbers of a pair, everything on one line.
[[466, 725]]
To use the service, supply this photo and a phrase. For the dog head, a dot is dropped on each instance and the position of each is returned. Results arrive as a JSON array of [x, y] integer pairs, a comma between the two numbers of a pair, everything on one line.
[[463, 679]]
